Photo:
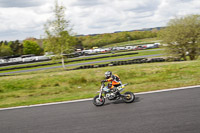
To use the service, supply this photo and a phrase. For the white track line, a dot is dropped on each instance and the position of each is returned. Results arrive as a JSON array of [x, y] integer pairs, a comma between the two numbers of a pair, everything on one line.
[[81, 100]]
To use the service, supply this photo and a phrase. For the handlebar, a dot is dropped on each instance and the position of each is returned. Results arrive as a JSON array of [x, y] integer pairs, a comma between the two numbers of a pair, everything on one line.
[[103, 83], [126, 84]]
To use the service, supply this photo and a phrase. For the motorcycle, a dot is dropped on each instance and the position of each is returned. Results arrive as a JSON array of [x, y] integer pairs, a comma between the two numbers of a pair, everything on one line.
[[110, 94]]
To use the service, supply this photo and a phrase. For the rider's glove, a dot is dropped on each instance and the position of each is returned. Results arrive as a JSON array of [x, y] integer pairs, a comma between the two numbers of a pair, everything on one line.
[[104, 81]]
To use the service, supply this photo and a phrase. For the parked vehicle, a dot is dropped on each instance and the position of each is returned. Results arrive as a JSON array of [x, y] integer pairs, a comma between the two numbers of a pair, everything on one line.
[[130, 47], [152, 46], [28, 59], [140, 47], [40, 58]]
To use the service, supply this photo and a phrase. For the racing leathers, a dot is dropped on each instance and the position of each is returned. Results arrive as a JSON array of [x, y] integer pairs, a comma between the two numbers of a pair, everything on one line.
[[115, 81]]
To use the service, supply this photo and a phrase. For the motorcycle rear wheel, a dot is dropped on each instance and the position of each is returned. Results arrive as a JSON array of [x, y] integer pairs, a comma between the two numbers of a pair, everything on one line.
[[128, 97], [97, 101]]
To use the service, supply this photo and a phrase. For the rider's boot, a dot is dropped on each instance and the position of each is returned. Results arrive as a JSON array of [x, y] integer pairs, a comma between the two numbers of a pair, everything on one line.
[[117, 94]]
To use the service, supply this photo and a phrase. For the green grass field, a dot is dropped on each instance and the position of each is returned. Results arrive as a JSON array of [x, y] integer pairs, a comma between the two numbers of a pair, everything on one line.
[[59, 85], [135, 42]]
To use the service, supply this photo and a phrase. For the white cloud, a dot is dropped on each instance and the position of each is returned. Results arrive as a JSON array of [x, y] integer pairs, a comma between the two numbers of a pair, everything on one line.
[[20, 19], [20, 3], [21, 22]]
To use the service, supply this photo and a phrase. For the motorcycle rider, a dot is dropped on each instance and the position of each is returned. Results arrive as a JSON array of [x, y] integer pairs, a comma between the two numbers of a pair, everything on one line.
[[115, 81]]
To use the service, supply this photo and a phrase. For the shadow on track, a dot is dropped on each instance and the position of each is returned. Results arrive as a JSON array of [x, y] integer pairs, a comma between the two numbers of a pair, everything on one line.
[[137, 99]]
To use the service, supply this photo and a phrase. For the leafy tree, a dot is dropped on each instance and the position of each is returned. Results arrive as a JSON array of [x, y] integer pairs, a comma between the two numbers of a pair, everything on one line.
[[58, 39], [31, 47], [5, 50], [79, 44], [13, 47], [19, 48], [5, 42], [16, 47], [182, 36]]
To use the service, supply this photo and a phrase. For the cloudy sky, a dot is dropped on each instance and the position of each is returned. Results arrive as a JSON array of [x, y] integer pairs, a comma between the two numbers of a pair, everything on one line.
[[20, 19]]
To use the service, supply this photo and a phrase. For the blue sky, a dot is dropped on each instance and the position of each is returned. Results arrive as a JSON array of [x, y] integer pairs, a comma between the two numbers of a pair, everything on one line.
[[20, 19]]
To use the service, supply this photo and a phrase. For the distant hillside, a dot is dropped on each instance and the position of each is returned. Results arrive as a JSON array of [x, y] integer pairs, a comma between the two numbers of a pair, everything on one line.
[[144, 29], [100, 40]]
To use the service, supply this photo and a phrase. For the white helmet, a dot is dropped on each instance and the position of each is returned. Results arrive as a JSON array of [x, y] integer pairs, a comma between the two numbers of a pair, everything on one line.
[[108, 74]]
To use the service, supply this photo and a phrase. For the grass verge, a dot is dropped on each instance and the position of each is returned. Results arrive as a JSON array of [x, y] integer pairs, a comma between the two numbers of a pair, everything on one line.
[[54, 86]]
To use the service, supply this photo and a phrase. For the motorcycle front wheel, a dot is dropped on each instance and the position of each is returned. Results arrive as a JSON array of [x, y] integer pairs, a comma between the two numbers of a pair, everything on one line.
[[128, 97], [97, 101]]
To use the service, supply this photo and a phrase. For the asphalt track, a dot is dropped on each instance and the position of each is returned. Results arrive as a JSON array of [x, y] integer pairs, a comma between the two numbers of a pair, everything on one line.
[[78, 64], [164, 112]]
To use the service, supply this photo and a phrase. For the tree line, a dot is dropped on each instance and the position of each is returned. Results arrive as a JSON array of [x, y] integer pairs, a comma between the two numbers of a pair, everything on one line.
[[16, 48], [36, 46], [110, 38]]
